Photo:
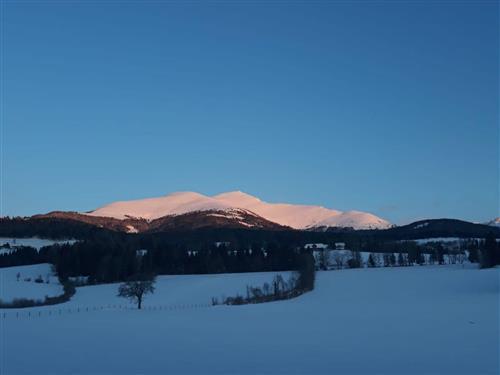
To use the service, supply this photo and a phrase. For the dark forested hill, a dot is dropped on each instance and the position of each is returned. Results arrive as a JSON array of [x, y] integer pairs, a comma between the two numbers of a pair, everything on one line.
[[180, 231], [436, 228]]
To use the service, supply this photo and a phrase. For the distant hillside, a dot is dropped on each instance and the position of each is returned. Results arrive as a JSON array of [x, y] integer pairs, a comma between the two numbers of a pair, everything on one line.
[[198, 227], [433, 228]]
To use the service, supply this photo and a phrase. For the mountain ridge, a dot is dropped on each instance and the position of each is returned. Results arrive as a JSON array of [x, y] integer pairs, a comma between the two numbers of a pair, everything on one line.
[[283, 214]]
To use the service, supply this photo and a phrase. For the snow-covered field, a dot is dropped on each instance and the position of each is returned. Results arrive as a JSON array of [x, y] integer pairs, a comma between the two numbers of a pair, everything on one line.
[[26, 287], [175, 290], [413, 320]]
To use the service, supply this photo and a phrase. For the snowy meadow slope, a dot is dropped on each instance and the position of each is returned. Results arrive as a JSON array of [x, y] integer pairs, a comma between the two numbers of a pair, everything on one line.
[[26, 286], [416, 320]]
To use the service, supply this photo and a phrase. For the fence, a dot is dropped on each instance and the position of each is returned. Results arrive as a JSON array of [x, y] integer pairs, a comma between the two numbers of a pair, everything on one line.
[[32, 313]]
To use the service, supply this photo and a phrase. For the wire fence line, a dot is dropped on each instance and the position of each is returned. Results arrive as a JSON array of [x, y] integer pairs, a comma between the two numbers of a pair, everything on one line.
[[38, 313]]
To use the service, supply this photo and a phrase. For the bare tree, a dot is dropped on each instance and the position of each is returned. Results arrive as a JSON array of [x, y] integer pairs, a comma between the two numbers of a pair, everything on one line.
[[461, 257], [278, 285], [340, 258], [136, 289], [324, 259], [266, 289]]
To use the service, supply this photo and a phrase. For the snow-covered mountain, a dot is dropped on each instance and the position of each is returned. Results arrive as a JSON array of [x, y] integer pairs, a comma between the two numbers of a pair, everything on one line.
[[153, 208], [495, 222], [295, 216]]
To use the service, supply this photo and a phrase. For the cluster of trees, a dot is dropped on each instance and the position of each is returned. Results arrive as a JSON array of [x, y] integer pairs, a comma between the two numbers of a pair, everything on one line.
[[21, 256], [489, 255], [409, 255], [111, 261], [301, 281], [113, 257]]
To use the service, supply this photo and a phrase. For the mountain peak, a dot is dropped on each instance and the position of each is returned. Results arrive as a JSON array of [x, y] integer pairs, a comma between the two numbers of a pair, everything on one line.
[[236, 196], [295, 216]]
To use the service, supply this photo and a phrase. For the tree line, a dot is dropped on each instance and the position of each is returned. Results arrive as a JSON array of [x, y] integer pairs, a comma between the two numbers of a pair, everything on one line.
[[107, 261], [301, 281], [110, 258]]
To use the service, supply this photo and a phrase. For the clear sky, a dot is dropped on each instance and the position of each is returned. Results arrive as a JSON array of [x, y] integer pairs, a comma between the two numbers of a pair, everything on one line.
[[385, 107]]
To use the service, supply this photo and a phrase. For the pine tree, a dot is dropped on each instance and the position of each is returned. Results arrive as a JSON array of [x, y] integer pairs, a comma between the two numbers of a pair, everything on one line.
[[392, 259], [371, 261], [488, 255], [401, 260], [356, 261], [473, 255], [420, 258], [387, 260], [433, 257], [440, 253]]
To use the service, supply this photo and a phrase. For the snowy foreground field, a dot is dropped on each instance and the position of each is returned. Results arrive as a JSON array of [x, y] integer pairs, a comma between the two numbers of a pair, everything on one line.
[[414, 320]]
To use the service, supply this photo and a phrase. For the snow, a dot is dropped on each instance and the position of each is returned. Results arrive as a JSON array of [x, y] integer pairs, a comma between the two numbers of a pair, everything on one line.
[[10, 288], [154, 208], [414, 320], [35, 242], [177, 290], [316, 246], [422, 225], [354, 219], [495, 222], [131, 229], [170, 290], [233, 213], [339, 258], [295, 216], [422, 241]]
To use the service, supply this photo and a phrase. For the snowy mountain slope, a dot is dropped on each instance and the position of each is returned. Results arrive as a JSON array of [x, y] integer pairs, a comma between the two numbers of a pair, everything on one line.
[[228, 218], [494, 223], [154, 208], [354, 219], [295, 216]]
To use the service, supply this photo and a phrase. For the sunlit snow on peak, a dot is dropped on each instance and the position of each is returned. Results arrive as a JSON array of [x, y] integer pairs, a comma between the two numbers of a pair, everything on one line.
[[292, 215]]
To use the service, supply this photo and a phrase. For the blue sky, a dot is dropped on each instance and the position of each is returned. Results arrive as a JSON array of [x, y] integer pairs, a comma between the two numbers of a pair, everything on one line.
[[385, 107]]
